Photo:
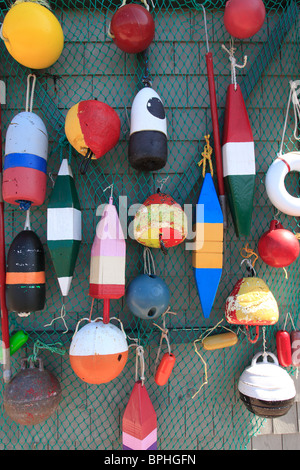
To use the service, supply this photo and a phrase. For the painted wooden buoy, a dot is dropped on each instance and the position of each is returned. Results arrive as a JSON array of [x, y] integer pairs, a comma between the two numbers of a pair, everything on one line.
[[265, 388], [139, 423], [238, 160], [32, 34], [64, 226], [160, 222], [98, 352], [132, 28], [33, 394], [25, 273], [207, 258], [25, 163], [283, 347], [108, 259], [244, 18], [92, 128], [251, 303], [148, 148]]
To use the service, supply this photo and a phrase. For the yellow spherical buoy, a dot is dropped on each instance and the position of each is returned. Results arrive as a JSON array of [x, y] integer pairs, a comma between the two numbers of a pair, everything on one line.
[[32, 34]]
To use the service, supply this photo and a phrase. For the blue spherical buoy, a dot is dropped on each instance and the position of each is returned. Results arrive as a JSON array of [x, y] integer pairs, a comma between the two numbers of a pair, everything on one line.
[[147, 296]]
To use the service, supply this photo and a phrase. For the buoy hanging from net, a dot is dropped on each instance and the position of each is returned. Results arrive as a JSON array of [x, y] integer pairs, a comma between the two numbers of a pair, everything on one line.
[[98, 351], [32, 34], [25, 272], [92, 128], [64, 226], [244, 18], [139, 422], [34, 393], [147, 295], [108, 259], [26, 153], [132, 27], [160, 222]]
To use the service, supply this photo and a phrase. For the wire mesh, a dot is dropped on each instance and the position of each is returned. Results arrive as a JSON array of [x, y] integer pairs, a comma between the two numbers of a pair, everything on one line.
[[92, 67]]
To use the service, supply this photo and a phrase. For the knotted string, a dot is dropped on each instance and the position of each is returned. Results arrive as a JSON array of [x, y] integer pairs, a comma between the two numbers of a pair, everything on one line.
[[233, 62], [50, 347], [60, 317], [164, 335], [206, 154]]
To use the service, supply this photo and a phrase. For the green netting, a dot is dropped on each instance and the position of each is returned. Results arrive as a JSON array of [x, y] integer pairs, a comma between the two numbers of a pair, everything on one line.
[[92, 67]]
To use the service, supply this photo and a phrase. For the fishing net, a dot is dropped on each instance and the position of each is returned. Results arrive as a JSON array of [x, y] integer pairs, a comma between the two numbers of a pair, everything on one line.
[[199, 407]]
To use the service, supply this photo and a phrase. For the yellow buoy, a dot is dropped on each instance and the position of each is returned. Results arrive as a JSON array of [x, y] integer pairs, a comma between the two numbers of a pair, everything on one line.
[[32, 34]]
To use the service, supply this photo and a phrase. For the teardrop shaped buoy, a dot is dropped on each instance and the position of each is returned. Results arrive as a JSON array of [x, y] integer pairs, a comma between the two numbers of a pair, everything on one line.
[[32, 34], [92, 128], [25, 274], [148, 148], [98, 352], [244, 18], [25, 162], [64, 226], [132, 28]]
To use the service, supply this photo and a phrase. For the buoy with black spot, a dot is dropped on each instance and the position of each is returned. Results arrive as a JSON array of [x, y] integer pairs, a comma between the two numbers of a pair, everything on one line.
[[132, 27], [238, 155], [25, 273], [98, 351], [148, 147], [160, 222], [244, 18], [64, 226], [32, 34], [93, 128], [25, 161]]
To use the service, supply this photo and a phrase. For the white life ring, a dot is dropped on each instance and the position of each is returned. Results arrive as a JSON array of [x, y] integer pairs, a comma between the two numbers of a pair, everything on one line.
[[275, 186]]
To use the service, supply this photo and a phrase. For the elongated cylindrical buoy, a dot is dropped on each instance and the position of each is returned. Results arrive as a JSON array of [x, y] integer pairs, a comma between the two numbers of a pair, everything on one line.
[[25, 273], [164, 369], [148, 150], [25, 163], [284, 351]]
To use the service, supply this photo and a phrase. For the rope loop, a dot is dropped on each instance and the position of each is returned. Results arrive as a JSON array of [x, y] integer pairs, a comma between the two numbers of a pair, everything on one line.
[[233, 62], [29, 102], [206, 154]]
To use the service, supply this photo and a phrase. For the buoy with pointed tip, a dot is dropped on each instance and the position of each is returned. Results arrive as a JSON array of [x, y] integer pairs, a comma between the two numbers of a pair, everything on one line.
[[32, 34]]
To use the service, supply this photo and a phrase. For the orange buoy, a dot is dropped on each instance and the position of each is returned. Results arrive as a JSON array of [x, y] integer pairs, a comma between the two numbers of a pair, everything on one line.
[[98, 352]]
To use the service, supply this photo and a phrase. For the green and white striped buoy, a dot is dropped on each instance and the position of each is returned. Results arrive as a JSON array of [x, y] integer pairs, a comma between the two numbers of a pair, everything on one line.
[[64, 226]]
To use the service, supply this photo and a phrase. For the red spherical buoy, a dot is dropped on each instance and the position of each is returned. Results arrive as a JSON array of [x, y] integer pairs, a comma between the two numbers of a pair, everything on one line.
[[132, 28], [244, 18], [278, 247]]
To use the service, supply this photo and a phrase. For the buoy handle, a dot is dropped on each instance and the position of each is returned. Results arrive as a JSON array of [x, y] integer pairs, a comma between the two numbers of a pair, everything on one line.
[[253, 340], [106, 309]]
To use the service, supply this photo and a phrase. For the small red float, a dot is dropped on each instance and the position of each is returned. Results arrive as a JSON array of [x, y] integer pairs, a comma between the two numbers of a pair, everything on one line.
[[244, 18], [283, 344], [278, 247], [164, 369], [132, 28]]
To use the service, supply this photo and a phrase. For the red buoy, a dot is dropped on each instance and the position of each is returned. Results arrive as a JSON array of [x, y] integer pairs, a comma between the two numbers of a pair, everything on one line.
[[132, 28], [283, 344], [244, 18], [278, 247], [164, 369]]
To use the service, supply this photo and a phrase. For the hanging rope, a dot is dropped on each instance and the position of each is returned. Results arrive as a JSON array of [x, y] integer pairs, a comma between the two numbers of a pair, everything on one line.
[[60, 317], [50, 347], [206, 154], [29, 102], [233, 62], [296, 106], [148, 259], [164, 335]]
